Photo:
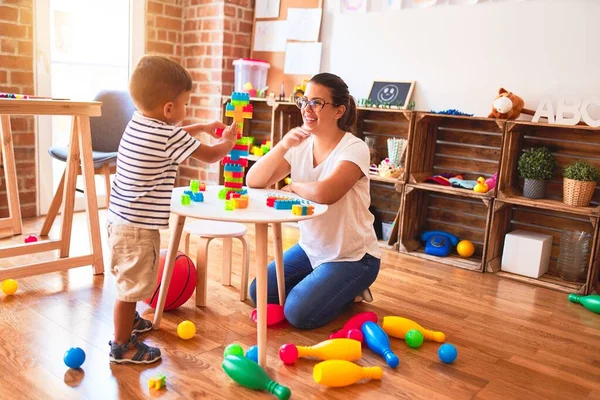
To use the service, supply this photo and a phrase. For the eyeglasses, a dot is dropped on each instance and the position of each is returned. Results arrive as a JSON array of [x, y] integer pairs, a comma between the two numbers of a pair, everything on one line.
[[315, 104]]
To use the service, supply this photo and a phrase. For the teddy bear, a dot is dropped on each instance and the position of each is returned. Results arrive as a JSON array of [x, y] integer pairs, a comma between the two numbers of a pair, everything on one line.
[[508, 105]]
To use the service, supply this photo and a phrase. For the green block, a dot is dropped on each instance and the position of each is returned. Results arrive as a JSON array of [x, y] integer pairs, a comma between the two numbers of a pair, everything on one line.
[[235, 180], [194, 185], [239, 102], [185, 200], [229, 205]]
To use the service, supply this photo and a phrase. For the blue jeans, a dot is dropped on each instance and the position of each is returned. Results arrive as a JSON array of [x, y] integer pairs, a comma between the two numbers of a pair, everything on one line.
[[314, 297]]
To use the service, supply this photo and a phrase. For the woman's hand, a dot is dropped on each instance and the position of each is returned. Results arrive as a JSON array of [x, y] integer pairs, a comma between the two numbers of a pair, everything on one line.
[[293, 138]]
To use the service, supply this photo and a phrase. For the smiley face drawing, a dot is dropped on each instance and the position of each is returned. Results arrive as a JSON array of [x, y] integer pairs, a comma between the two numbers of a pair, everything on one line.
[[387, 94]]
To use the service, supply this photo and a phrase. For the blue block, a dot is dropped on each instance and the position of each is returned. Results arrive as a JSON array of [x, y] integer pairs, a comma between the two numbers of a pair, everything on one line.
[[230, 107], [197, 197], [240, 96], [236, 154], [188, 192], [233, 168], [285, 204]]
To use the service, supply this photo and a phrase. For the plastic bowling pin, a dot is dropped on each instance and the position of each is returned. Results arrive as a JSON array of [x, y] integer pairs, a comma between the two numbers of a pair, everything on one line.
[[398, 326], [338, 373], [332, 349], [378, 341], [249, 374], [591, 302], [274, 314], [355, 322]]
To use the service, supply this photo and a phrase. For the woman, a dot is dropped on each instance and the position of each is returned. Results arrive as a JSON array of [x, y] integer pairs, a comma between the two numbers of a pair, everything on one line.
[[337, 257]]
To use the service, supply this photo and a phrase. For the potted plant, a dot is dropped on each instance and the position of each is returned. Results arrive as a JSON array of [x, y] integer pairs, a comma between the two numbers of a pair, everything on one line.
[[536, 165], [579, 183]]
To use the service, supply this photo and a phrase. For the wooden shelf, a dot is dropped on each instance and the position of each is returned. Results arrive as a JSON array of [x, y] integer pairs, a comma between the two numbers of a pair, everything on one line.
[[384, 179], [473, 264], [432, 187], [514, 196], [548, 281]]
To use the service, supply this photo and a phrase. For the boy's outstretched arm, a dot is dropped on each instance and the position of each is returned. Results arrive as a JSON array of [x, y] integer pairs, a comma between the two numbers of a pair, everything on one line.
[[215, 152], [209, 128]]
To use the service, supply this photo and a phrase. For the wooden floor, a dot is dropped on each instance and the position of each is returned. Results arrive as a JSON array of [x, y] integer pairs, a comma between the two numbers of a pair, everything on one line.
[[514, 341]]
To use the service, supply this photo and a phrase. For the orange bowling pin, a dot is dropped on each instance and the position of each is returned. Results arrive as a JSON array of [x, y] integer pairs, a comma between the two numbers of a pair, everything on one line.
[[398, 326], [339, 349], [338, 373]]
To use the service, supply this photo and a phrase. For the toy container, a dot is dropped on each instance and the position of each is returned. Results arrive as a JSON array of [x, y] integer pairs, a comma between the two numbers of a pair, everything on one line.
[[252, 71]]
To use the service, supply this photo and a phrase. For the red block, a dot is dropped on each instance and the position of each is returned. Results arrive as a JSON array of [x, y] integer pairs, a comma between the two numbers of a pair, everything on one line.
[[242, 161], [237, 174], [219, 132], [271, 201], [247, 108], [233, 185], [244, 147]]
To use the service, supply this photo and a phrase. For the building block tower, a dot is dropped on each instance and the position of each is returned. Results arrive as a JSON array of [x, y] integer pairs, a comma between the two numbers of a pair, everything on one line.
[[235, 163]]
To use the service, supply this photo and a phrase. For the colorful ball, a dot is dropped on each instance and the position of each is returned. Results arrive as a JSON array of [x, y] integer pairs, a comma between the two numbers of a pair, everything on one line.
[[31, 239], [182, 285], [447, 353], [252, 354], [288, 353], [9, 286], [74, 357], [186, 330], [233, 349], [465, 248], [414, 338]]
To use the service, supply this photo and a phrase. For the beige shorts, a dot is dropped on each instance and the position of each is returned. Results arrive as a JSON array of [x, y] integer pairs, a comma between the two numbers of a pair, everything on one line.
[[135, 253]]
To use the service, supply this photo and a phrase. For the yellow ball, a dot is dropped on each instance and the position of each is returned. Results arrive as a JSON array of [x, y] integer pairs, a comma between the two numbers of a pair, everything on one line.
[[186, 330], [9, 286], [465, 248]]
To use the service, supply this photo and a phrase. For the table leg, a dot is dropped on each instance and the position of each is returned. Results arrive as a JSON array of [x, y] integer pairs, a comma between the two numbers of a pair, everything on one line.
[[226, 268], [261, 292], [278, 245], [168, 269], [68, 203], [10, 175], [91, 204]]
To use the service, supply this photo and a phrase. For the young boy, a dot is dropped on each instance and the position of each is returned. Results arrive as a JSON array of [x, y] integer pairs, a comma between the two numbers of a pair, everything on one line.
[[149, 153]]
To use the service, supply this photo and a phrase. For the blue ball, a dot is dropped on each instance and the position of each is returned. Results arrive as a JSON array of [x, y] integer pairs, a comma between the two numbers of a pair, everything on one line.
[[74, 357], [447, 353], [252, 354]]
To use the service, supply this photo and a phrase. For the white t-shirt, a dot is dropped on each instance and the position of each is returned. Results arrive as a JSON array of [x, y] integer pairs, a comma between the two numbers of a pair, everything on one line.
[[345, 232]]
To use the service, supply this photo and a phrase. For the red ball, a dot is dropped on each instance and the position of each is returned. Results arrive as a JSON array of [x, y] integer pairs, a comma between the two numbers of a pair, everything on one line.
[[182, 285], [288, 353], [31, 239]]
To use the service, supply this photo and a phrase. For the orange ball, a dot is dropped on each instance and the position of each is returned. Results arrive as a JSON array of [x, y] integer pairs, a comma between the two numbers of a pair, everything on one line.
[[465, 248]]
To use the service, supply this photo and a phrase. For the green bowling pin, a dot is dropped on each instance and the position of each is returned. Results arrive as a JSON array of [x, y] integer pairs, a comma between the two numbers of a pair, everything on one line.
[[249, 374], [591, 302]]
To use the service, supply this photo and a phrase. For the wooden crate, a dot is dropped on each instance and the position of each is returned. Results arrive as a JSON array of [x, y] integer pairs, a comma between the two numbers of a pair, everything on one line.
[[463, 216], [454, 144], [507, 217], [567, 143], [380, 125]]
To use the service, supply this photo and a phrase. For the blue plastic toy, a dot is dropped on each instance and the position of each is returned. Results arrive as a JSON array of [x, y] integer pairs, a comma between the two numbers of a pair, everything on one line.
[[252, 354], [197, 197], [378, 341], [447, 353], [439, 243], [74, 357]]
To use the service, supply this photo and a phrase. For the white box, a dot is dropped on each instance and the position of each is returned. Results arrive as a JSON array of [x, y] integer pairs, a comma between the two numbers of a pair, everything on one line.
[[526, 253], [386, 230]]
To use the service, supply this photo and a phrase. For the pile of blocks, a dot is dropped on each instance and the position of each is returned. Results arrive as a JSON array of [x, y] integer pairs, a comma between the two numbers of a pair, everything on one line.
[[298, 207], [235, 163], [194, 193]]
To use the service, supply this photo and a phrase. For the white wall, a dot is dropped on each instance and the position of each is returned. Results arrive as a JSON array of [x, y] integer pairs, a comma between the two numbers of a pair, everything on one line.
[[461, 55]]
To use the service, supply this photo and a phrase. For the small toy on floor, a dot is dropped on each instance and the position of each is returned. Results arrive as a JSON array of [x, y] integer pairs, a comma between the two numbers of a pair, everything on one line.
[[331, 349], [186, 330], [339, 373], [157, 382], [9, 287], [251, 375], [74, 357], [31, 239]]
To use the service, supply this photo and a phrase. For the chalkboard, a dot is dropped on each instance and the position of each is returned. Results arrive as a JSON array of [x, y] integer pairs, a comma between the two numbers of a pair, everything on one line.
[[395, 94]]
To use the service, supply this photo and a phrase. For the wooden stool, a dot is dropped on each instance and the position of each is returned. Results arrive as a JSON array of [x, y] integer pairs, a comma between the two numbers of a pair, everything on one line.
[[207, 231]]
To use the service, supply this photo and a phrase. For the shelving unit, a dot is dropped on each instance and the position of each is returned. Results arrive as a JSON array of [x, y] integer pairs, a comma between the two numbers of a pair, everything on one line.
[[440, 144], [549, 215]]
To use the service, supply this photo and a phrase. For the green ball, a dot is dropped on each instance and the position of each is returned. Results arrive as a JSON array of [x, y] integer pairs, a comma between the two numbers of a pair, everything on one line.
[[414, 338], [233, 349]]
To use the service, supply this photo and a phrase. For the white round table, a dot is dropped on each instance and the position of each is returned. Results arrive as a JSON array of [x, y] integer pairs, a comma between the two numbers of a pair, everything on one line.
[[257, 213]]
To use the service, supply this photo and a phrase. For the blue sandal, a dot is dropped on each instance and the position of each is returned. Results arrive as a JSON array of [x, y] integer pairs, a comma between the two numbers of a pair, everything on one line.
[[134, 351], [141, 325]]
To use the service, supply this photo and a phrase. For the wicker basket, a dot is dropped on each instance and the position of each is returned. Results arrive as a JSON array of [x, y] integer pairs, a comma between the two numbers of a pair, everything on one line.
[[578, 193]]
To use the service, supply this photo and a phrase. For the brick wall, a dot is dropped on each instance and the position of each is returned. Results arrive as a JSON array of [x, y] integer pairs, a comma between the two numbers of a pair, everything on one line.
[[16, 76]]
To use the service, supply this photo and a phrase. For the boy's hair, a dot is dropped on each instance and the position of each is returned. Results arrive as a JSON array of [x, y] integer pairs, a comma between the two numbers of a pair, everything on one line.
[[157, 80]]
